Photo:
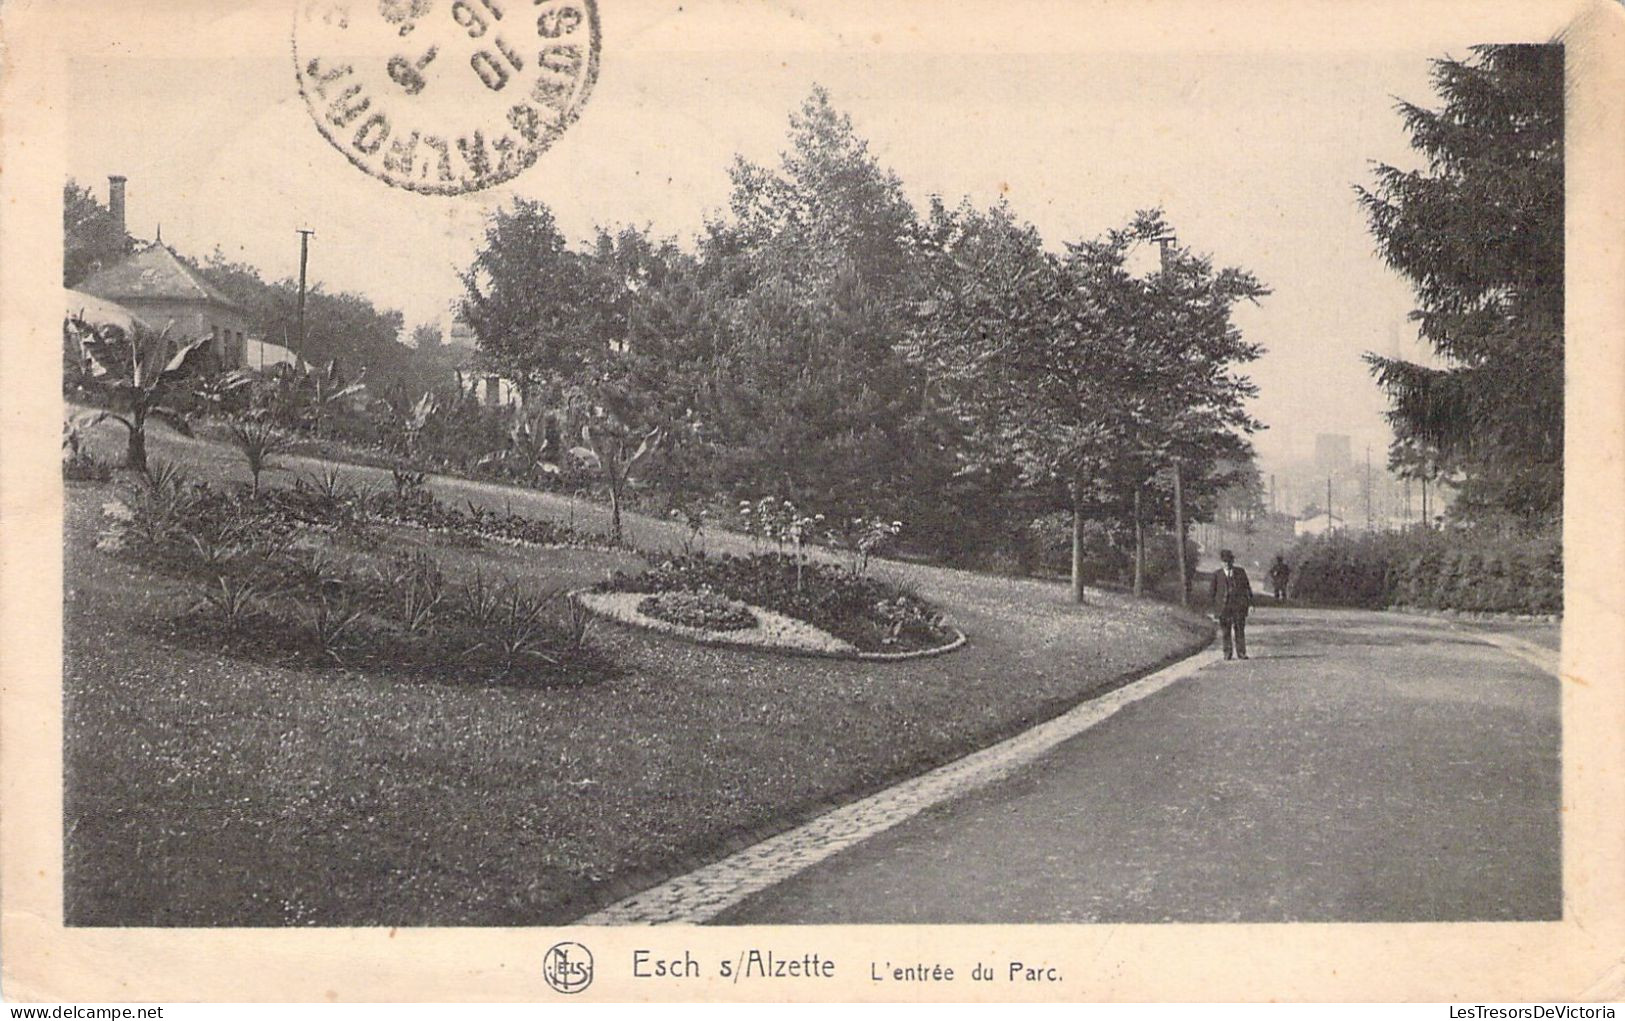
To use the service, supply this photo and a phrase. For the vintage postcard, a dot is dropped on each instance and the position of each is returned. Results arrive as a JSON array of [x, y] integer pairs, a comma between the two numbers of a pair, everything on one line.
[[591, 500]]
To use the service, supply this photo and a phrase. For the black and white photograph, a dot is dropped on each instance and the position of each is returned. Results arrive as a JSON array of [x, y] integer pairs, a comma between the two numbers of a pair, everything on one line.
[[579, 466]]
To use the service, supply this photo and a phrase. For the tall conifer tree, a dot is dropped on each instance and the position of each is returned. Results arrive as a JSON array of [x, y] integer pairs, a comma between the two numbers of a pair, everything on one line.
[[1479, 233]]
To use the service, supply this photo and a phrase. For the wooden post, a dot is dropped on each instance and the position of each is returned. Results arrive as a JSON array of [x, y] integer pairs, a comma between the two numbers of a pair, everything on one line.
[[304, 253], [1139, 548], [1077, 542], [1179, 538]]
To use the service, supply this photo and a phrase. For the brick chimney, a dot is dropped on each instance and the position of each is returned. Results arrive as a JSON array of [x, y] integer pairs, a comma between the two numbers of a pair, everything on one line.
[[115, 198]]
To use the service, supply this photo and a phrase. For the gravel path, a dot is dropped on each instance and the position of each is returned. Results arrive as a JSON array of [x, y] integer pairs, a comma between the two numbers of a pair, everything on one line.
[[1359, 768]]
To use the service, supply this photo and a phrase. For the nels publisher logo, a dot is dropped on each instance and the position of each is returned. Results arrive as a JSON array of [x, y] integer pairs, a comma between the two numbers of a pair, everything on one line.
[[567, 967]]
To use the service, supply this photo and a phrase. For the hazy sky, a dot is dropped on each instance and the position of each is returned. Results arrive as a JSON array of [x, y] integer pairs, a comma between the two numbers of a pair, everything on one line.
[[1253, 156]]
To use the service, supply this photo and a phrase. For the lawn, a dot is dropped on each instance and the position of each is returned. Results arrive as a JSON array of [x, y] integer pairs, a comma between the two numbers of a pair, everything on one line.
[[207, 789]]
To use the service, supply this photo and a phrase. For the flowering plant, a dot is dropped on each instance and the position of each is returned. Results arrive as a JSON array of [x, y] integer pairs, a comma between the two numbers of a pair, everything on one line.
[[781, 523], [861, 538], [906, 615]]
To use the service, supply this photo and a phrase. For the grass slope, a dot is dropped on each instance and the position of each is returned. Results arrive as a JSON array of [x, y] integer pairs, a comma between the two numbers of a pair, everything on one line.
[[205, 790]]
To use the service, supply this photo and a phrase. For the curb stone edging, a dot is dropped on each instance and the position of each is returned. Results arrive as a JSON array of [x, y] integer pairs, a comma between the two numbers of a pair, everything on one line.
[[959, 640]]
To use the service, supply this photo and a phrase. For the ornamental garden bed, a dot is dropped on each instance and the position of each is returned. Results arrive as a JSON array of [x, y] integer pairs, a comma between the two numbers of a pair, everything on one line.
[[325, 575], [765, 630], [840, 610]]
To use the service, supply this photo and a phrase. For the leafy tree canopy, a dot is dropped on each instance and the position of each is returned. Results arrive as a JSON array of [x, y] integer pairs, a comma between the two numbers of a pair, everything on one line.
[[92, 238]]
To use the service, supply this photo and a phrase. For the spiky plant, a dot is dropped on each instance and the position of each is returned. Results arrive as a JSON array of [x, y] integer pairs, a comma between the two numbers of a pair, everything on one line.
[[259, 442], [480, 600], [332, 621], [234, 600], [520, 628], [578, 624], [331, 485]]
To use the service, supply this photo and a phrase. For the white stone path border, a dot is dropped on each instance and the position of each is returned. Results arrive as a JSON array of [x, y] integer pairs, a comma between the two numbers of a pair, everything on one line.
[[703, 894], [706, 892]]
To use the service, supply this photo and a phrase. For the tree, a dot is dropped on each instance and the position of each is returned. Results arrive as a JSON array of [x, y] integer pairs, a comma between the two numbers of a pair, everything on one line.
[[1479, 233], [568, 324], [341, 327], [139, 374], [812, 274], [1092, 380], [426, 337], [91, 237], [1182, 410], [531, 301], [1241, 500], [1022, 387]]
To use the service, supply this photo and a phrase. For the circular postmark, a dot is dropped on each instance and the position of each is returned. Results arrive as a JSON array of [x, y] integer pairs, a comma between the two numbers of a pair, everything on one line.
[[445, 96], [567, 967]]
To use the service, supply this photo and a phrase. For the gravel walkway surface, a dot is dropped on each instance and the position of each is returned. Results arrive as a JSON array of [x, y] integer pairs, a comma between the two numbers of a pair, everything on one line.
[[1359, 768]]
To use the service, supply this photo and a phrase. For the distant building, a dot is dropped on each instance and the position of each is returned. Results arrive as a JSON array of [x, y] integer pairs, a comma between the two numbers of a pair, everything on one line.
[[160, 289], [459, 348], [490, 390], [460, 334], [262, 354], [1318, 524]]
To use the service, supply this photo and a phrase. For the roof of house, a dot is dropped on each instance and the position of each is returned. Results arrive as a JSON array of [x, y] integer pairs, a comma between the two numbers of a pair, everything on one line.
[[154, 273], [98, 311]]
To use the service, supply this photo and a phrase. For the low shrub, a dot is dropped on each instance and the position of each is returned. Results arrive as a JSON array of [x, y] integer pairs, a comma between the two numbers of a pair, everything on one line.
[[83, 466], [705, 610]]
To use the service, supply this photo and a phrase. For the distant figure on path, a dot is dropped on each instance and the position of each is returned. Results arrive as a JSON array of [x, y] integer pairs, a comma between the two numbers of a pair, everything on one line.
[[1279, 574], [1232, 598]]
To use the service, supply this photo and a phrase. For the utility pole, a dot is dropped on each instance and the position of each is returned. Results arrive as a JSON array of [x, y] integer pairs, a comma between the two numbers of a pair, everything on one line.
[[304, 256], [1273, 508], [1163, 241], [1368, 487], [1179, 538], [1328, 505]]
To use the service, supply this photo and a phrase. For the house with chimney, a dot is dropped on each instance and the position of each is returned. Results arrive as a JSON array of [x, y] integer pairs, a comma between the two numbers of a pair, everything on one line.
[[153, 284]]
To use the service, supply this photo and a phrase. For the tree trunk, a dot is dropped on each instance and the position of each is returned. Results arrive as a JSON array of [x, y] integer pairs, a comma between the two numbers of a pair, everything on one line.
[[1139, 548], [1077, 543], [135, 455], [614, 508]]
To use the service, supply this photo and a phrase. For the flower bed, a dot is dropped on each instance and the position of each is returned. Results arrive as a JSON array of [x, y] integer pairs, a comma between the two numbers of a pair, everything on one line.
[[300, 577], [704, 610], [771, 630], [865, 613]]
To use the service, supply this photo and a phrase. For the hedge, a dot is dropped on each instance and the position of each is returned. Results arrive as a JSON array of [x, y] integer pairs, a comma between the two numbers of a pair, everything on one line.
[[1452, 569]]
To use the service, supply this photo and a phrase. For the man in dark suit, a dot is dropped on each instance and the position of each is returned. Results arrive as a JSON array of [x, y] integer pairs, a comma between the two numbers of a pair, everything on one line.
[[1232, 598]]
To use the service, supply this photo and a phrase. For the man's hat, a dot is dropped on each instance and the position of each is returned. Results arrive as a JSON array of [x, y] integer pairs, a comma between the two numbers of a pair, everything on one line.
[[1226, 555]]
